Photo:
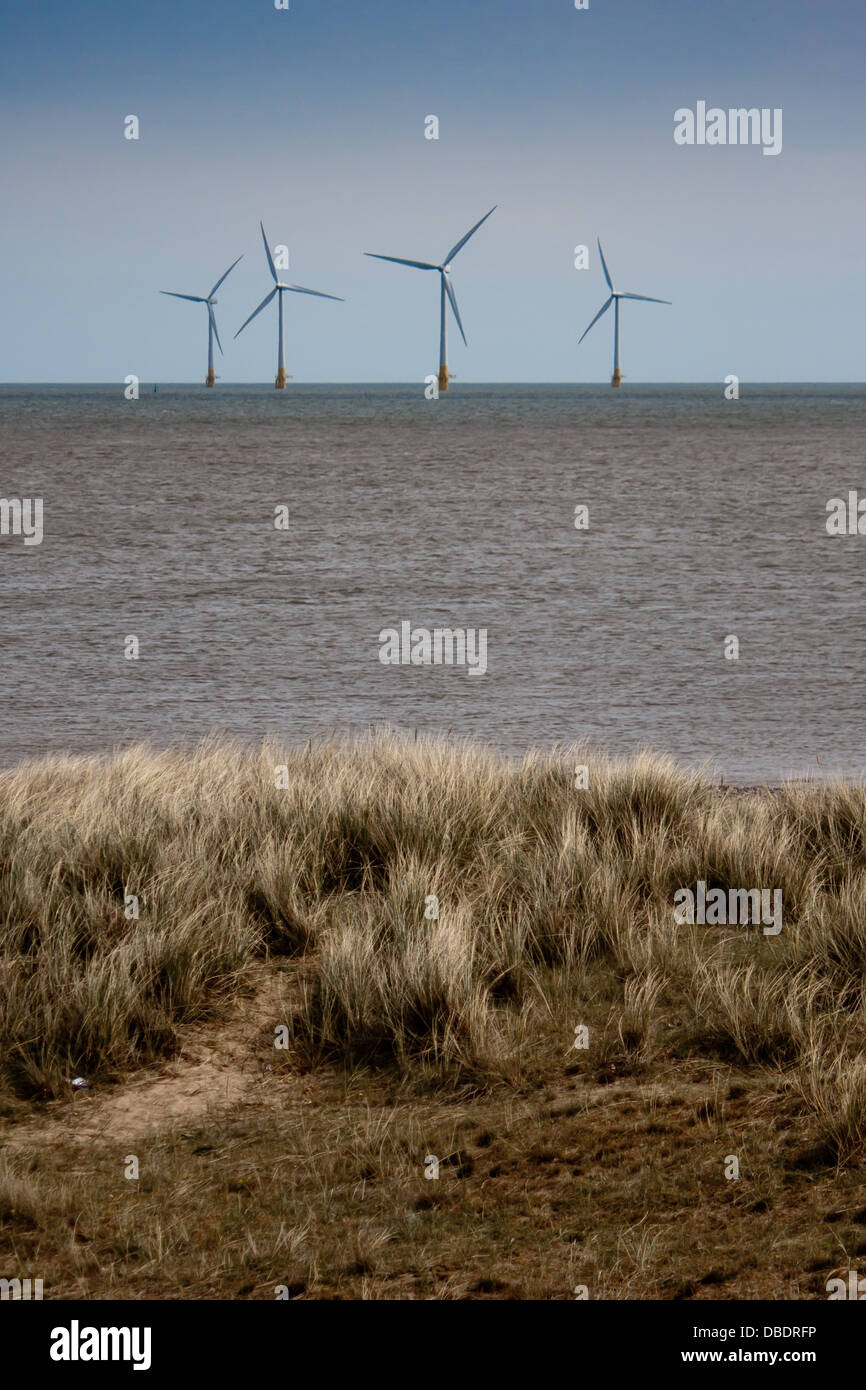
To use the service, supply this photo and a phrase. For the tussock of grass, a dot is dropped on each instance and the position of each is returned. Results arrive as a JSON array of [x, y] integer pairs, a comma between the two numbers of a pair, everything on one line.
[[834, 1088], [552, 902]]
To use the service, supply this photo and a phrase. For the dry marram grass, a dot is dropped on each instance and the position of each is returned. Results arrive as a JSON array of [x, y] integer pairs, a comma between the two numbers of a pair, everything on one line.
[[555, 908]]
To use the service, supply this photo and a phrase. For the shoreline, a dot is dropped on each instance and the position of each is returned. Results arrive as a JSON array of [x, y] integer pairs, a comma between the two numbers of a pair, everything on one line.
[[350, 739]]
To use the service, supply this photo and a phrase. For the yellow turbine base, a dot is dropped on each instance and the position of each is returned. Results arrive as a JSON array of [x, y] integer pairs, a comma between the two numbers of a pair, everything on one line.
[[443, 378], [616, 379], [211, 377], [280, 383]]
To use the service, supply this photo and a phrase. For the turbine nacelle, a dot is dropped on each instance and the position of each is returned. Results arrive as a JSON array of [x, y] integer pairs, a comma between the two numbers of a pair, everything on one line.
[[280, 288], [210, 301], [444, 269], [614, 297]]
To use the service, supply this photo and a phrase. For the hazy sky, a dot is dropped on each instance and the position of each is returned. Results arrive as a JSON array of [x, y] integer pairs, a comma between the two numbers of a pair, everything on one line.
[[313, 120]]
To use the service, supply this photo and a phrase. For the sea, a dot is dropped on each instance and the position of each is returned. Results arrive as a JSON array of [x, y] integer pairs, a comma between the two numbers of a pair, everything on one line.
[[651, 566]]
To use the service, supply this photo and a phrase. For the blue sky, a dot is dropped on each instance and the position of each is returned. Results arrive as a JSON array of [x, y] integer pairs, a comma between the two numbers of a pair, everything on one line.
[[313, 120]]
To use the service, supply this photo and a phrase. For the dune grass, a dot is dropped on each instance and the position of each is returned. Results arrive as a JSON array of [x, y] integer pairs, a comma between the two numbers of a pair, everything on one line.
[[456, 915]]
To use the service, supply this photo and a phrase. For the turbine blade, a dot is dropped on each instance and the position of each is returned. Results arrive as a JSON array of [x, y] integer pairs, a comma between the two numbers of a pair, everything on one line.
[[604, 266], [222, 277], [453, 301], [299, 289], [269, 256], [648, 297], [264, 302], [196, 298], [398, 260], [463, 240], [212, 317], [601, 311]]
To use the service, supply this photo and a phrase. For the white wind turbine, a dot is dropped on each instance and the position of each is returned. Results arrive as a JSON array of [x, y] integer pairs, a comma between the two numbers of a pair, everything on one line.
[[280, 289], [615, 297], [446, 293], [211, 320]]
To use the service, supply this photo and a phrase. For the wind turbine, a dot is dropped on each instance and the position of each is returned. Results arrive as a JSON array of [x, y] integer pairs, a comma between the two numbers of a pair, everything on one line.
[[280, 289], [211, 320], [615, 297], [446, 293]]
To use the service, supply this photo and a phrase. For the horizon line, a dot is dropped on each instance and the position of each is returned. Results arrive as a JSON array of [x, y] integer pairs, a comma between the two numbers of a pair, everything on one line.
[[415, 382]]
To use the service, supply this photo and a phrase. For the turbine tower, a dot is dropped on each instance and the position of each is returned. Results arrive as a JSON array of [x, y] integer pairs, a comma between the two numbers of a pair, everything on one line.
[[280, 289], [446, 293], [615, 297], [211, 320]]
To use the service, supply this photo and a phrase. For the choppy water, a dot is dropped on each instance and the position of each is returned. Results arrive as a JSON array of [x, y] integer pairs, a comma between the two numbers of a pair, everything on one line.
[[706, 518]]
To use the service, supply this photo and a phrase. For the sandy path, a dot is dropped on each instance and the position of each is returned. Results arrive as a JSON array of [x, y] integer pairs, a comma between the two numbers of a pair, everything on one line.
[[218, 1064]]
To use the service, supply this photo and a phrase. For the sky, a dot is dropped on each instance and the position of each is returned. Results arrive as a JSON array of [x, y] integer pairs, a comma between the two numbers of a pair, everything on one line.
[[312, 119]]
